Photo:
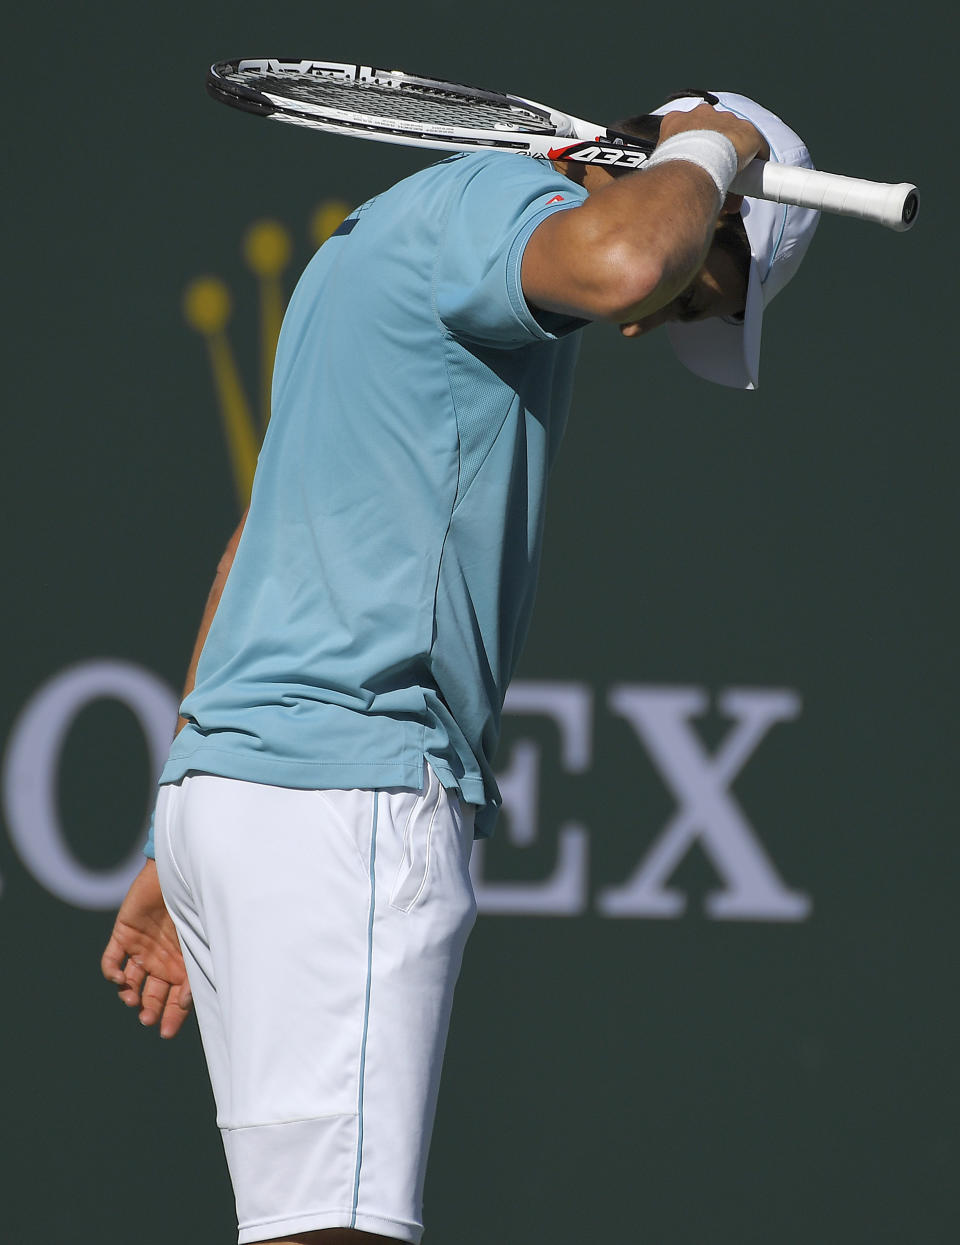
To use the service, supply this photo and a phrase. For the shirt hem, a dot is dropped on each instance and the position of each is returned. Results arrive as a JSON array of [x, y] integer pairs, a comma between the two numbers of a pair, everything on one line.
[[320, 775]]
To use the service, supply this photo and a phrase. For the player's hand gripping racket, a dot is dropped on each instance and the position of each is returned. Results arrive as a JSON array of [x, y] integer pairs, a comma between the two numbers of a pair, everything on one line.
[[396, 107]]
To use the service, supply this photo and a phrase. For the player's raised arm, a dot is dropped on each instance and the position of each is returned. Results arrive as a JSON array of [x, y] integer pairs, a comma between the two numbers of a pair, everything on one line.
[[639, 239]]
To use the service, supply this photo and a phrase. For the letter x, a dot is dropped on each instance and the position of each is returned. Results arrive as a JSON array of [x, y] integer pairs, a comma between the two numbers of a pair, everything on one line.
[[706, 808]]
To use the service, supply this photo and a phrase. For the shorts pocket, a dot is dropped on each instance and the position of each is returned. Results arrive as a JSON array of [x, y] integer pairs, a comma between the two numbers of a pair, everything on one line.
[[414, 868], [349, 815]]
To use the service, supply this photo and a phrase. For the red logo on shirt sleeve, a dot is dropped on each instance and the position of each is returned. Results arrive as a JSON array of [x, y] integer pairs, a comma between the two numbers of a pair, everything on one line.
[[555, 199]]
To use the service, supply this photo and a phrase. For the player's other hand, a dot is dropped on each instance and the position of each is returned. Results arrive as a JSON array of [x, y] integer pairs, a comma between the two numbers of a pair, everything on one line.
[[746, 138], [143, 957]]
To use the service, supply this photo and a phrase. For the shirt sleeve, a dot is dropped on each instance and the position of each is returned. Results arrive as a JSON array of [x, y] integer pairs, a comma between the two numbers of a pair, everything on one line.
[[501, 199]]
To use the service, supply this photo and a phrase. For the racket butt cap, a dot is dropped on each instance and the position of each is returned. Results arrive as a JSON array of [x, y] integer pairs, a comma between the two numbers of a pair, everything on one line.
[[911, 208]]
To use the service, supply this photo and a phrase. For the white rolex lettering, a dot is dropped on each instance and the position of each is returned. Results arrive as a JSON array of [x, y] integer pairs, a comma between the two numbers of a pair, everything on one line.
[[707, 811], [29, 778], [564, 892]]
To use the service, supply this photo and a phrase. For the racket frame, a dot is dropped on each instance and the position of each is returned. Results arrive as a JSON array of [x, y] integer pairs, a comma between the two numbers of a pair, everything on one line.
[[559, 136]]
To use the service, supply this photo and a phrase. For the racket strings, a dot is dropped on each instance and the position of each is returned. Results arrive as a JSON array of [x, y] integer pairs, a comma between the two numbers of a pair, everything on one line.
[[410, 102]]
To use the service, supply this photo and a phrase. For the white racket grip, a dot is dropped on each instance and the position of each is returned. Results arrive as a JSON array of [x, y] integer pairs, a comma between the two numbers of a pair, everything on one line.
[[895, 206]]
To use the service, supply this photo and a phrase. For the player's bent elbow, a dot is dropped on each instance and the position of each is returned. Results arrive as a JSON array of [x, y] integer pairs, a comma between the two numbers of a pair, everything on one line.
[[610, 288], [626, 280], [587, 271]]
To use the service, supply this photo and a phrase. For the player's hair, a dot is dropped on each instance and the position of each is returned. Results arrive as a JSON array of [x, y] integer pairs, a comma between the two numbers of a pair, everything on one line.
[[644, 125]]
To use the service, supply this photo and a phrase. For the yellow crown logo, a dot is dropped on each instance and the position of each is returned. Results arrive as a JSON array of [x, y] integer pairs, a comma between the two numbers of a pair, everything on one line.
[[207, 307]]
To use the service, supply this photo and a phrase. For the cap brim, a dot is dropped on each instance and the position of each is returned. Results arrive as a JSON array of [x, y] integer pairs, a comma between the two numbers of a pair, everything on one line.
[[729, 353], [726, 352]]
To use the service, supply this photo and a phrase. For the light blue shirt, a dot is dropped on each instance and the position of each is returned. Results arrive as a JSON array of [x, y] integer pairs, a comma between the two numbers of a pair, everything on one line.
[[385, 577]]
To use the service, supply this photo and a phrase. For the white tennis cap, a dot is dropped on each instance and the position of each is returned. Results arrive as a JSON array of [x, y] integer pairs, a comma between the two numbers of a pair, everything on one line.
[[725, 350]]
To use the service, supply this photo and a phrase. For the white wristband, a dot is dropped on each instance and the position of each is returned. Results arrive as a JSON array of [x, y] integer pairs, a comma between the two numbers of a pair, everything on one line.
[[714, 153]]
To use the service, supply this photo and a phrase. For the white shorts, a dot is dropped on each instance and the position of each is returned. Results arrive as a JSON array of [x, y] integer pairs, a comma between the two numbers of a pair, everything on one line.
[[323, 933]]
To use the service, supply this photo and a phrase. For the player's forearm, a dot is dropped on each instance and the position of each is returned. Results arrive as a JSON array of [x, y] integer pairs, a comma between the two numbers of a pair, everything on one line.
[[210, 609]]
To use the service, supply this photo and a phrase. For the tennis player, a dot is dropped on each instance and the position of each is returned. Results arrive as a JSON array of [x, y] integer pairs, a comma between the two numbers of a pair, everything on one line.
[[334, 758]]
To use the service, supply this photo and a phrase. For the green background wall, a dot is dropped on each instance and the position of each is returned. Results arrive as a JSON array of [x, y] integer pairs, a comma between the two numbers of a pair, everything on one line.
[[680, 1080]]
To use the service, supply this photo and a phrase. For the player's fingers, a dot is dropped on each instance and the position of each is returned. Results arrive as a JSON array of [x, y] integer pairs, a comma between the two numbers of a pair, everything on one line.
[[111, 962], [176, 1011], [731, 205], [134, 971], [153, 999], [131, 983]]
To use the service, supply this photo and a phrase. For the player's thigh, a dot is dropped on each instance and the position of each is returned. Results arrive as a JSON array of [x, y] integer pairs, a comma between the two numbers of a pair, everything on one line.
[[270, 893], [323, 932]]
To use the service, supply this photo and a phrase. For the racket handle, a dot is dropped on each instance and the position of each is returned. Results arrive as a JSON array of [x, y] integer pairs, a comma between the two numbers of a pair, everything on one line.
[[893, 206]]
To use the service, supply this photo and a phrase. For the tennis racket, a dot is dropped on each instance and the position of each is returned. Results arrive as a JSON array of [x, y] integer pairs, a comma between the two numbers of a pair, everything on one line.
[[396, 107]]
